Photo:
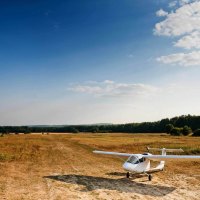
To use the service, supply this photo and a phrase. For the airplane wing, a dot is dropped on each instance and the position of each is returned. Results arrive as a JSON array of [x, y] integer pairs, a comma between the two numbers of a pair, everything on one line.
[[114, 153], [165, 157], [150, 157]]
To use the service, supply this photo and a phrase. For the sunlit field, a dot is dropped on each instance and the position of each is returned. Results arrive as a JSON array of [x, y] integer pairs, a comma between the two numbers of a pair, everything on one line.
[[62, 166]]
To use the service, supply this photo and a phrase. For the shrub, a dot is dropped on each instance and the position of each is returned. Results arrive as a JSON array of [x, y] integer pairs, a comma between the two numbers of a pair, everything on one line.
[[186, 130], [196, 132], [176, 131]]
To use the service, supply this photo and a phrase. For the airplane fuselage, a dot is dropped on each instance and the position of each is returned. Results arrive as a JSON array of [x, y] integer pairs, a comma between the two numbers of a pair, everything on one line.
[[138, 164], [137, 168]]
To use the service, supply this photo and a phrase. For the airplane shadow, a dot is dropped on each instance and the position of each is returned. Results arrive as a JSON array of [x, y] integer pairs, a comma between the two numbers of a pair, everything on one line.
[[132, 176], [122, 185]]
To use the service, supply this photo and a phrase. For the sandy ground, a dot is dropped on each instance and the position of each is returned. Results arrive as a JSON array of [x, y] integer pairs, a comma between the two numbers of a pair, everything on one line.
[[66, 169]]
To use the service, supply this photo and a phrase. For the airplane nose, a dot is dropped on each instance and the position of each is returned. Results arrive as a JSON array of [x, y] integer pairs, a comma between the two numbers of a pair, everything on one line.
[[128, 166]]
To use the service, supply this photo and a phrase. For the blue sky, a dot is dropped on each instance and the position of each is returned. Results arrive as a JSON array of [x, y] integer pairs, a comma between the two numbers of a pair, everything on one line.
[[85, 61]]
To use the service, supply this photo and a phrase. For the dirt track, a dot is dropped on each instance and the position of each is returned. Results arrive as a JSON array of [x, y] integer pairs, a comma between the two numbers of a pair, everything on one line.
[[63, 167]]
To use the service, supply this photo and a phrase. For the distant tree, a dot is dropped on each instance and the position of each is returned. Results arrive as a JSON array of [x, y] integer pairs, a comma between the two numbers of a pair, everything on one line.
[[196, 132], [173, 120], [169, 128], [186, 130], [27, 131], [74, 130], [164, 125], [95, 129]]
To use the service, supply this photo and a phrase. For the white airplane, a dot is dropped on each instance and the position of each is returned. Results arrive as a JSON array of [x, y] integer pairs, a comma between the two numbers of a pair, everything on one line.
[[141, 163]]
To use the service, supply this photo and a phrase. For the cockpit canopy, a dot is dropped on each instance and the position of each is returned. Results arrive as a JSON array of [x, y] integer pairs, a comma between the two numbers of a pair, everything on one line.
[[135, 159]]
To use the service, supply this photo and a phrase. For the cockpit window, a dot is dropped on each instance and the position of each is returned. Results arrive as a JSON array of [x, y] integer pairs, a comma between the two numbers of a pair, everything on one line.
[[135, 160]]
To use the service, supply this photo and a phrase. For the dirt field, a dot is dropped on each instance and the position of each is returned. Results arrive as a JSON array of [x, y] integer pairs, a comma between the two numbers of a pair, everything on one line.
[[63, 167]]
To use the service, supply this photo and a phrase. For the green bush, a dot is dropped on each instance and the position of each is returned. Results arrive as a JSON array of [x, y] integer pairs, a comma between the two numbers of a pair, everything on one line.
[[176, 131], [196, 132], [186, 130]]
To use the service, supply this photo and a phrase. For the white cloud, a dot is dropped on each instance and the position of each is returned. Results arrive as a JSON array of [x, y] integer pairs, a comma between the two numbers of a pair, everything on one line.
[[87, 89], [130, 55], [180, 2], [113, 89], [184, 20], [161, 13], [189, 41], [183, 59], [109, 82], [183, 2], [172, 4]]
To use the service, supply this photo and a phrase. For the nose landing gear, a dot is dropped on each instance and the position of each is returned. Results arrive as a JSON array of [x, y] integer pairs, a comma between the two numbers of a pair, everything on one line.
[[149, 176]]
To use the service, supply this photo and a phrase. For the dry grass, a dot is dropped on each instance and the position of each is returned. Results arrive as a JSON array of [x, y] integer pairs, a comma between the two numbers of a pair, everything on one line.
[[62, 166]]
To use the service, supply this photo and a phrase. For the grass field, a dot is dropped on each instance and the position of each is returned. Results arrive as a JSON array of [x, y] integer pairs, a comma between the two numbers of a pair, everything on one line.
[[62, 166]]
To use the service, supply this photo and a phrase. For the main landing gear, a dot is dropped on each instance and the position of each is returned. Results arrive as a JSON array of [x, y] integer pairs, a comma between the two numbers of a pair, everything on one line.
[[127, 175], [149, 177]]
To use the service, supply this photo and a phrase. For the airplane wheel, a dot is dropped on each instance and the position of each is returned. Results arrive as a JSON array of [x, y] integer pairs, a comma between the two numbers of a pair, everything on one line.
[[127, 175], [150, 177]]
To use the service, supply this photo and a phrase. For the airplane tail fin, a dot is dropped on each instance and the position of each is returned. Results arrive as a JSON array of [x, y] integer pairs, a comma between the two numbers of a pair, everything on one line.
[[163, 153], [164, 150]]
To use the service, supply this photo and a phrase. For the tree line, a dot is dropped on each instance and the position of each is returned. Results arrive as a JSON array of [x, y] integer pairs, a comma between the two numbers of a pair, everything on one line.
[[184, 125]]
